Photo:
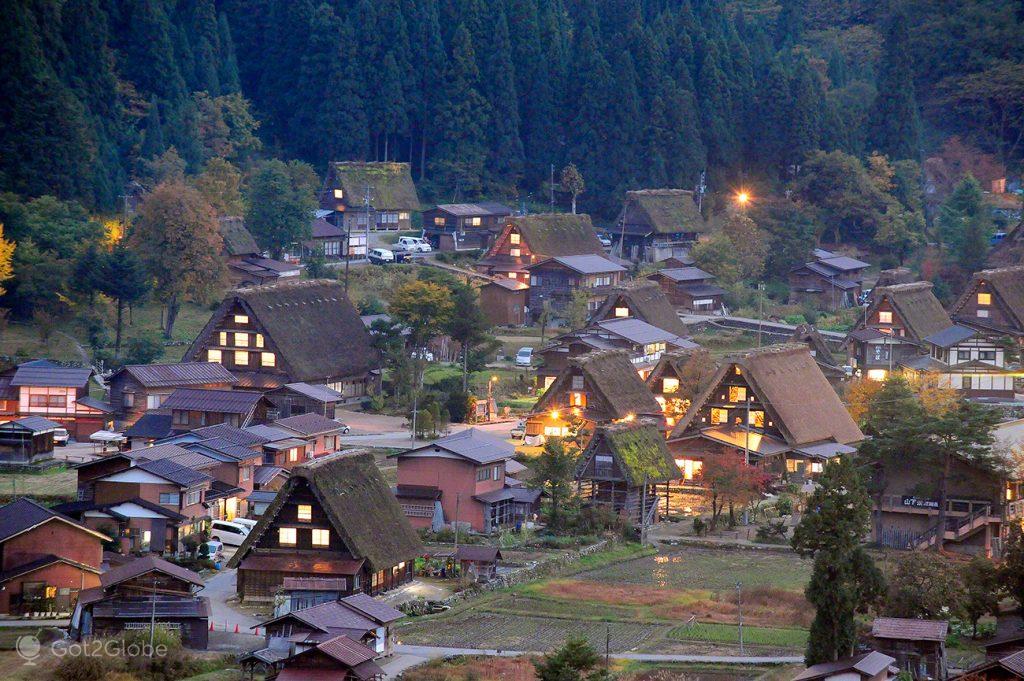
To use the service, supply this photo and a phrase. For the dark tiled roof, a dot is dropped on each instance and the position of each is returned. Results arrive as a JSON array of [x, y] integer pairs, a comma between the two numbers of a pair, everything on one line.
[[239, 436], [865, 665], [96, 404], [50, 375], [141, 566], [219, 445], [475, 209], [910, 629], [951, 336], [308, 424], [264, 474], [480, 554], [38, 563], [584, 264], [321, 393], [174, 472], [179, 374], [34, 424], [472, 444], [321, 229], [77, 507], [639, 331], [23, 514], [269, 434], [684, 274], [156, 452], [222, 401], [346, 651], [151, 425], [372, 608]]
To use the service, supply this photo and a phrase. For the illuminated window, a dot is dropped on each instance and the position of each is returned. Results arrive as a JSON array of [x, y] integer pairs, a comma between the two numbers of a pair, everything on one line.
[[304, 512], [689, 468], [214, 356], [514, 252], [669, 385], [241, 358], [475, 222], [817, 466], [548, 380], [241, 319], [556, 431], [984, 299], [577, 400], [259, 340], [439, 222], [321, 538], [876, 374], [403, 216], [268, 359], [514, 238], [293, 454], [286, 536], [737, 370], [241, 340], [737, 393], [756, 419], [223, 337], [511, 275], [884, 317], [622, 312], [792, 465], [719, 416]]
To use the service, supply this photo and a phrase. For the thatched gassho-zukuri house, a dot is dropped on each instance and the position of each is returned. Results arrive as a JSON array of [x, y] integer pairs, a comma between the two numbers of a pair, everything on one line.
[[528, 239], [334, 517], [643, 300], [666, 382], [993, 302], [656, 224], [622, 467], [392, 192], [598, 388], [820, 351], [774, 406]]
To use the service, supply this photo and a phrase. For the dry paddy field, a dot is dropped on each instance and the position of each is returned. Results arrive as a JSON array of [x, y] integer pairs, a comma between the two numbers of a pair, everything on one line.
[[681, 600]]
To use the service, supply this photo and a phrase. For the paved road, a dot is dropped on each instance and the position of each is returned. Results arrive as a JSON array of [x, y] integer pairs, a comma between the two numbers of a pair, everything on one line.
[[379, 430], [407, 656], [220, 588]]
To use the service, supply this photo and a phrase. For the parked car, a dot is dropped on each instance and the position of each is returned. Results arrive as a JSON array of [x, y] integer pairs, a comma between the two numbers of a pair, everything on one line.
[[413, 244], [381, 256], [345, 430], [246, 522], [605, 239], [228, 532], [519, 431], [61, 437], [996, 238], [215, 550], [524, 357]]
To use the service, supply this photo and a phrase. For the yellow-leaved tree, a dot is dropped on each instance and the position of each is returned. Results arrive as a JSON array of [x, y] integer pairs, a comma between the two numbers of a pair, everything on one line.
[[6, 259]]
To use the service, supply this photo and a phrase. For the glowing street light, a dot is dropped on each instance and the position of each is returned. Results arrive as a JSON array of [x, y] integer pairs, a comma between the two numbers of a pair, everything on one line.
[[742, 198]]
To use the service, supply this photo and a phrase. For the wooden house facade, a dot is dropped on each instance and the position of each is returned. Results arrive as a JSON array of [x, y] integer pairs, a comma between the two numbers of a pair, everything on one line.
[[504, 301], [60, 394], [245, 261], [334, 517], [464, 226], [677, 378], [830, 281], [656, 224], [643, 300], [554, 281], [392, 195], [303, 331], [136, 388], [993, 303], [528, 239], [28, 440], [690, 289], [919, 646]]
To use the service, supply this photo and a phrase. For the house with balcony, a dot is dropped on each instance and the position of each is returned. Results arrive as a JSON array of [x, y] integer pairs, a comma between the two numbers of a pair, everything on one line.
[[293, 332], [593, 389], [464, 226], [58, 393], [528, 239], [136, 388], [656, 224], [461, 479], [830, 281], [386, 188], [627, 469], [556, 280], [192, 408], [334, 517], [773, 406]]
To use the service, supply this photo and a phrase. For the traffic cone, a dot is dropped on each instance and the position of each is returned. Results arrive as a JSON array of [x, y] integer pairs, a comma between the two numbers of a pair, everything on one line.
[[236, 628], [211, 625], [257, 632]]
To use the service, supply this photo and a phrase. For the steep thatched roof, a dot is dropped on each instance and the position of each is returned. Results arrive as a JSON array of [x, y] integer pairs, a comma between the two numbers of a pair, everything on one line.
[[391, 185], [916, 305], [662, 211], [554, 234], [676, 361], [789, 383], [238, 240], [616, 389], [1007, 285], [809, 335], [639, 449], [359, 505], [314, 328], [646, 301]]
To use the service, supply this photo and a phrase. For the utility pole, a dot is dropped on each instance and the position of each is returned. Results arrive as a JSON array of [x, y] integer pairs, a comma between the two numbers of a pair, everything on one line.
[[152, 620], [458, 498], [739, 610], [551, 187], [367, 207], [702, 186], [607, 644], [760, 310]]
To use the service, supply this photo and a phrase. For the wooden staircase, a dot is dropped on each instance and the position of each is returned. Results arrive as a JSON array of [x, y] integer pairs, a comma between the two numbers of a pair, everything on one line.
[[957, 529]]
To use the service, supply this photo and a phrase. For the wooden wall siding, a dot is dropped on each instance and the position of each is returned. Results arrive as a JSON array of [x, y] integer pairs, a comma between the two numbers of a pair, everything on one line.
[[228, 325], [996, 314]]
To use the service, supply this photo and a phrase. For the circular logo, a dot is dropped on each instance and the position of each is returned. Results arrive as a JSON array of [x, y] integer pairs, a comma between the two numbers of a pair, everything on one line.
[[28, 647]]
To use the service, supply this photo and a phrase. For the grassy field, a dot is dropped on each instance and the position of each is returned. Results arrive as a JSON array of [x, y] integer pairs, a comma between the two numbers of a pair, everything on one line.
[[57, 483], [729, 633]]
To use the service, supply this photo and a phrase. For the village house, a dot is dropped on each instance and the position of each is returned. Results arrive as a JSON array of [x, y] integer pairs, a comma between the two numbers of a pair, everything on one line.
[[820, 351], [643, 300], [246, 264], [690, 289], [528, 239], [388, 187], [460, 479], [28, 440], [1009, 251], [319, 433], [192, 408], [622, 468], [478, 562], [338, 658], [656, 224], [60, 394], [666, 382], [463, 226], [1007, 641], [869, 666], [302, 331], [140, 592], [136, 388], [1007, 668], [325, 239], [504, 302], [919, 646], [829, 282], [972, 362], [292, 399], [358, 616], [993, 304], [554, 281], [894, 327], [773, 406], [334, 517], [46, 559], [593, 389], [152, 426], [138, 526]]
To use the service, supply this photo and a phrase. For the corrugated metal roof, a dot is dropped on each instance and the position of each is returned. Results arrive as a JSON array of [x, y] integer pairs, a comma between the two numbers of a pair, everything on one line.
[[54, 376], [308, 424], [321, 393], [951, 336], [180, 373], [220, 401], [34, 424], [472, 444], [176, 473], [586, 264], [685, 274]]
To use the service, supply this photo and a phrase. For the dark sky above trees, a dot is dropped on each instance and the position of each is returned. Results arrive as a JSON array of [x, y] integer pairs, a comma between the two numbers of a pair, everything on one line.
[[483, 96]]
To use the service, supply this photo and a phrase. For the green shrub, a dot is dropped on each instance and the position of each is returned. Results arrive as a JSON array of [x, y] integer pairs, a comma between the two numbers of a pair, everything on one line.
[[699, 526], [86, 667], [784, 505]]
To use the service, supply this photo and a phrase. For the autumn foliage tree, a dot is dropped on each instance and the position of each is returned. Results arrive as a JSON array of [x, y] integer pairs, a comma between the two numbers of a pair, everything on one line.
[[6, 259], [178, 238], [729, 482]]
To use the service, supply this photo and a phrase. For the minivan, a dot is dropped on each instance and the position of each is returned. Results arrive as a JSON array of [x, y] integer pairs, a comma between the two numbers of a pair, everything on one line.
[[379, 256], [414, 244], [524, 357], [245, 522], [227, 532]]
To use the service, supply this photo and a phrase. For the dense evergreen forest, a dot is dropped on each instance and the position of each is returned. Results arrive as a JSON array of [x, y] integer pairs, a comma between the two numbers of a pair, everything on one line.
[[484, 96]]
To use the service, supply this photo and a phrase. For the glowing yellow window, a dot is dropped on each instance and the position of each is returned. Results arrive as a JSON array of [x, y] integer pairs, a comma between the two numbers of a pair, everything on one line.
[[439, 221], [689, 468], [737, 393], [475, 222], [241, 358], [556, 431], [514, 252], [286, 536], [241, 340], [670, 385], [214, 356], [514, 238], [511, 275], [259, 340], [984, 299], [293, 454], [622, 312], [791, 465], [222, 337], [817, 467], [403, 216], [339, 193], [884, 317], [321, 538], [577, 400], [268, 359], [304, 512], [756, 419], [548, 380], [719, 416], [241, 319], [877, 374]]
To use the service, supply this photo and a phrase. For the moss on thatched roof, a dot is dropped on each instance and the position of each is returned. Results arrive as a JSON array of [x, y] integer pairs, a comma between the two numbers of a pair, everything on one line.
[[639, 449], [616, 389], [663, 211], [359, 505], [553, 234], [391, 185]]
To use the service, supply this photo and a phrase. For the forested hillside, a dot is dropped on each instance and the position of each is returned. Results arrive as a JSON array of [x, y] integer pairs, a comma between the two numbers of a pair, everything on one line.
[[483, 96]]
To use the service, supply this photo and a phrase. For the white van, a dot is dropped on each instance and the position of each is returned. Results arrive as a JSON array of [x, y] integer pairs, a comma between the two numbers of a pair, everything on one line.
[[227, 532], [524, 357], [414, 244], [379, 256], [245, 522]]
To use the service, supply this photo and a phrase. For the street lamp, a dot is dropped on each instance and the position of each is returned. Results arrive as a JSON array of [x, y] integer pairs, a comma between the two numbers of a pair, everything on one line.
[[742, 198]]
